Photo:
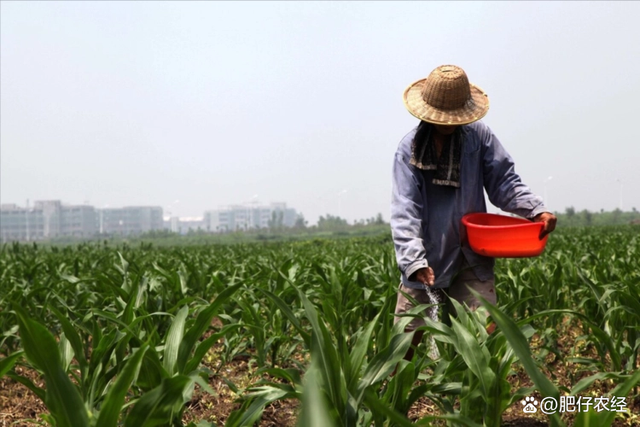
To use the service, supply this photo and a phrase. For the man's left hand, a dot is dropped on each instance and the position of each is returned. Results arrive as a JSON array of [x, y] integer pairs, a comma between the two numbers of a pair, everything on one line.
[[549, 220]]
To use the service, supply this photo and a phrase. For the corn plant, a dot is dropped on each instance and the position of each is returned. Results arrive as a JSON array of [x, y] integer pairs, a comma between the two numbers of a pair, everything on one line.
[[314, 318], [158, 377]]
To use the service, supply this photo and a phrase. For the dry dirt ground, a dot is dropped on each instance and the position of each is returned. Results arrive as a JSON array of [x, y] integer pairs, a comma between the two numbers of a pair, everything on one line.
[[20, 407]]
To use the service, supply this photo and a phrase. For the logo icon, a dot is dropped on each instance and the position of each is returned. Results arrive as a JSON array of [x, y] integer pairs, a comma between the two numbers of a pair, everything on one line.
[[530, 404]]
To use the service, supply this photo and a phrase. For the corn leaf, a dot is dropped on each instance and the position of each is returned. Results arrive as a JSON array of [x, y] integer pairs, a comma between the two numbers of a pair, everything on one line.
[[8, 362], [202, 323], [113, 402], [174, 340], [62, 397]]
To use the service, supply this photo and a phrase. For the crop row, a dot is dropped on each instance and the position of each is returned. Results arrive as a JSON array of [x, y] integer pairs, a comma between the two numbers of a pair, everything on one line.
[[119, 333]]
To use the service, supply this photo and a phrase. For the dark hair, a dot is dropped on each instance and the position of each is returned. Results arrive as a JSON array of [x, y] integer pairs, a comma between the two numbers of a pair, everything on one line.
[[423, 132], [425, 129]]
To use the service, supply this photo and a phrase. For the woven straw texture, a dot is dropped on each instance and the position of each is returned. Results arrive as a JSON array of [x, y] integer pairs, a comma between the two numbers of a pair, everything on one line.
[[446, 97]]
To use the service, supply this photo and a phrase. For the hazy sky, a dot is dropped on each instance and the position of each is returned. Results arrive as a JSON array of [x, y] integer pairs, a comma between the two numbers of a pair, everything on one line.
[[216, 103]]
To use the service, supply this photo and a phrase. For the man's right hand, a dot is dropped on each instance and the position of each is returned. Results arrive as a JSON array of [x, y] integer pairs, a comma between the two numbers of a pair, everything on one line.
[[425, 276]]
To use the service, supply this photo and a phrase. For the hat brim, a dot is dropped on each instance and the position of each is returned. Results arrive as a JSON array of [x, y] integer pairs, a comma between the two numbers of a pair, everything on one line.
[[474, 109]]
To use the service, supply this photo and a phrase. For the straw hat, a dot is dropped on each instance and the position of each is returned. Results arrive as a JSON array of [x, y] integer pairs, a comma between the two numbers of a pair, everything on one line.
[[446, 98]]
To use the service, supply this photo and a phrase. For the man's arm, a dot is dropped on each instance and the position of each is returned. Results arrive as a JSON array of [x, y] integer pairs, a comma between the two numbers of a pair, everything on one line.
[[505, 188], [407, 207]]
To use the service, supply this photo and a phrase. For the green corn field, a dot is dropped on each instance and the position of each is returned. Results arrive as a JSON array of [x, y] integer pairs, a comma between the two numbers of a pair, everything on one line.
[[301, 334]]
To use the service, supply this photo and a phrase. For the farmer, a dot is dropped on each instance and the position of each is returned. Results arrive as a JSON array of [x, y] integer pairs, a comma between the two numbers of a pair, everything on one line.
[[439, 173]]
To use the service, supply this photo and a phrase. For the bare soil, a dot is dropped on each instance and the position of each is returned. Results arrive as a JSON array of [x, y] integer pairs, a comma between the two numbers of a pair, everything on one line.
[[20, 407]]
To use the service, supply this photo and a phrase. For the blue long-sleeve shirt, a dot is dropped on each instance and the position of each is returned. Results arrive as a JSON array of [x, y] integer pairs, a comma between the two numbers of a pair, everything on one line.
[[426, 218]]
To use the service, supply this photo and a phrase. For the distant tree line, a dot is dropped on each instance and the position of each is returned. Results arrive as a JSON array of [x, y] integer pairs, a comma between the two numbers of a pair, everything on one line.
[[573, 218], [336, 223]]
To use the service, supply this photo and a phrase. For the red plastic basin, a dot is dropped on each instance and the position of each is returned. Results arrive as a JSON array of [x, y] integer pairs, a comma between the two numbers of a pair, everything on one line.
[[503, 236]]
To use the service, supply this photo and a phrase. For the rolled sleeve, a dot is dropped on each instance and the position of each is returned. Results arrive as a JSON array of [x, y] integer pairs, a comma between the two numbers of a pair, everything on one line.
[[412, 268]]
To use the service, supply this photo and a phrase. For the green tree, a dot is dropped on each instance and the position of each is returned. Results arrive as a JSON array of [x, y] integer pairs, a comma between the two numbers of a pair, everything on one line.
[[617, 216], [332, 223], [276, 223], [300, 223], [587, 216]]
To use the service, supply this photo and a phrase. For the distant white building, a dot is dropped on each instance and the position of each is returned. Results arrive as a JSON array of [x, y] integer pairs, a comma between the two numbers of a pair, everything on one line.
[[249, 216], [46, 219], [182, 225], [51, 218], [130, 220]]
